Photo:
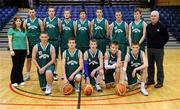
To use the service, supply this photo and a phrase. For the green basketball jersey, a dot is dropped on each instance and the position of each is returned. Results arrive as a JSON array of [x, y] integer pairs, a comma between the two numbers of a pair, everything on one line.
[[33, 30], [51, 27], [82, 34], [72, 61], [119, 32], [43, 55], [67, 31], [137, 31], [93, 59], [134, 62], [99, 29], [112, 58]]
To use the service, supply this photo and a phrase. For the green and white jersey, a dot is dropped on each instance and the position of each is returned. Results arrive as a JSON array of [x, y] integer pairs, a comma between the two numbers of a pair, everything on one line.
[[72, 61], [93, 59], [43, 55], [119, 32], [67, 31], [134, 62], [112, 58], [136, 30], [33, 30], [52, 28], [82, 33], [99, 28]]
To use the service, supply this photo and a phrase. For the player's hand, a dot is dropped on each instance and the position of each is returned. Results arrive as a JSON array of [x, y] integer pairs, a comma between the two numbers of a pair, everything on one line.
[[65, 80], [71, 77], [93, 73], [134, 73], [12, 53], [42, 70]]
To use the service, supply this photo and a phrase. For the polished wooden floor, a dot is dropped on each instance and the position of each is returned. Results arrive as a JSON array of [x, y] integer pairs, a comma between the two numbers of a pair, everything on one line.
[[30, 96]]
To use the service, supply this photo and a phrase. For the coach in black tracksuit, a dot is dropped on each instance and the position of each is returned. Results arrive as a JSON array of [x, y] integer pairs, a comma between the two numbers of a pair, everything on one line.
[[157, 37]]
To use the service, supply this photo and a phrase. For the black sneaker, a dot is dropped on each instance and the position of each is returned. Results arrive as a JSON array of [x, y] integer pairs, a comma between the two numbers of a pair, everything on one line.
[[149, 83], [158, 85]]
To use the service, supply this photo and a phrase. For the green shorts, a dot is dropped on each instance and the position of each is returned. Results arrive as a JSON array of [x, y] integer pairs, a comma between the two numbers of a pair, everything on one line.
[[55, 43]]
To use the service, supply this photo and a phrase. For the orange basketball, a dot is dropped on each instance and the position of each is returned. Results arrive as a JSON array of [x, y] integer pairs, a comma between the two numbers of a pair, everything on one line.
[[87, 89], [67, 89], [120, 89]]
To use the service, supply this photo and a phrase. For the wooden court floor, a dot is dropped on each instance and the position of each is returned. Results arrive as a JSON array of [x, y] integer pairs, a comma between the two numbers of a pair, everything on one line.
[[30, 96]]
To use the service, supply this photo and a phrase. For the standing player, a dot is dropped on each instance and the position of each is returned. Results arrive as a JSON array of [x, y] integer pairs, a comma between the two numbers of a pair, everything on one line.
[[93, 65], [82, 32], [136, 62], [119, 32], [99, 30], [72, 64], [67, 30], [112, 63], [44, 58], [52, 27], [33, 26], [137, 30]]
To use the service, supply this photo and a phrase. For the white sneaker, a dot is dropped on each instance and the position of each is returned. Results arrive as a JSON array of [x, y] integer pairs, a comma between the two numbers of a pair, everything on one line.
[[26, 77], [144, 91], [22, 83], [98, 88], [15, 84], [48, 90], [76, 87]]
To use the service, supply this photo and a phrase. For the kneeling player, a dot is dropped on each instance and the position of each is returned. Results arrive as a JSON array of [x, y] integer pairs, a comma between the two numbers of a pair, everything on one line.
[[44, 58], [136, 62], [112, 63], [93, 65], [72, 64]]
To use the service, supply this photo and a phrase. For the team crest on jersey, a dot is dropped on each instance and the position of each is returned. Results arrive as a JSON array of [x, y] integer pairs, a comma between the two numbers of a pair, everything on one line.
[[47, 22], [50, 26], [79, 25], [115, 27], [40, 52], [72, 62], [28, 24], [136, 30], [98, 28], [93, 63], [135, 64], [118, 31], [32, 27]]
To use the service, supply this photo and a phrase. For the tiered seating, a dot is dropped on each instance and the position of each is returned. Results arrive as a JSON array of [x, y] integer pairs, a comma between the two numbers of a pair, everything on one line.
[[127, 12], [5, 14], [170, 17]]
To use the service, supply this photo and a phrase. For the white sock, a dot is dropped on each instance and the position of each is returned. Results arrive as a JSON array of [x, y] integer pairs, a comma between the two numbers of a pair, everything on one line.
[[142, 84], [28, 73]]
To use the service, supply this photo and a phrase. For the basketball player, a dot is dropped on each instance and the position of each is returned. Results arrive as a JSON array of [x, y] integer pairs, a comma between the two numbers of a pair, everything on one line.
[[137, 30], [93, 65], [99, 30], [136, 62], [112, 64], [67, 30], [82, 32], [33, 26], [72, 64], [119, 32], [52, 27], [43, 57]]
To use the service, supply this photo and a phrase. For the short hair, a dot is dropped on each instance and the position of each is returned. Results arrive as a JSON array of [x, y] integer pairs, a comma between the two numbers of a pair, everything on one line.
[[99, 9], [51, 7], [135, 43], [72, 39], [115, 43], [67, 10], [93, 40], [82, 10], [32, 9], [138, 10], [43, 32], [155, 12], [117, 11]]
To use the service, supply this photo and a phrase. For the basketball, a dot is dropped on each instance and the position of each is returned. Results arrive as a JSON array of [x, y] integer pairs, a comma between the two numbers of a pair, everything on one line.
[[120, 89], [87, 89], [67, 89]]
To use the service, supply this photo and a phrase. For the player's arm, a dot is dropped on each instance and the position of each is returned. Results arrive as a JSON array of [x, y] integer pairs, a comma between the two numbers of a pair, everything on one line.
[[53, 56], [63, 66], [41, 25], [126, 30], [80, 64], [107, 28], [75, 28], [126, 60], [100, 61], [144, 33], [86, 67], [106, 59], [59, 24], [91, 29], [145, 62], [89, 25], [111, 30], [119, 63], [129, 38], [34, 53], [27, 45]]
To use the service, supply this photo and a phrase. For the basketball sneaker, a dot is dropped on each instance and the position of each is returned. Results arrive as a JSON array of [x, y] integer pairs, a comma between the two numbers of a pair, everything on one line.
[[144, 91], [98, 88], [15, 84], [48, 90], [26, 77], [76, 87]]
